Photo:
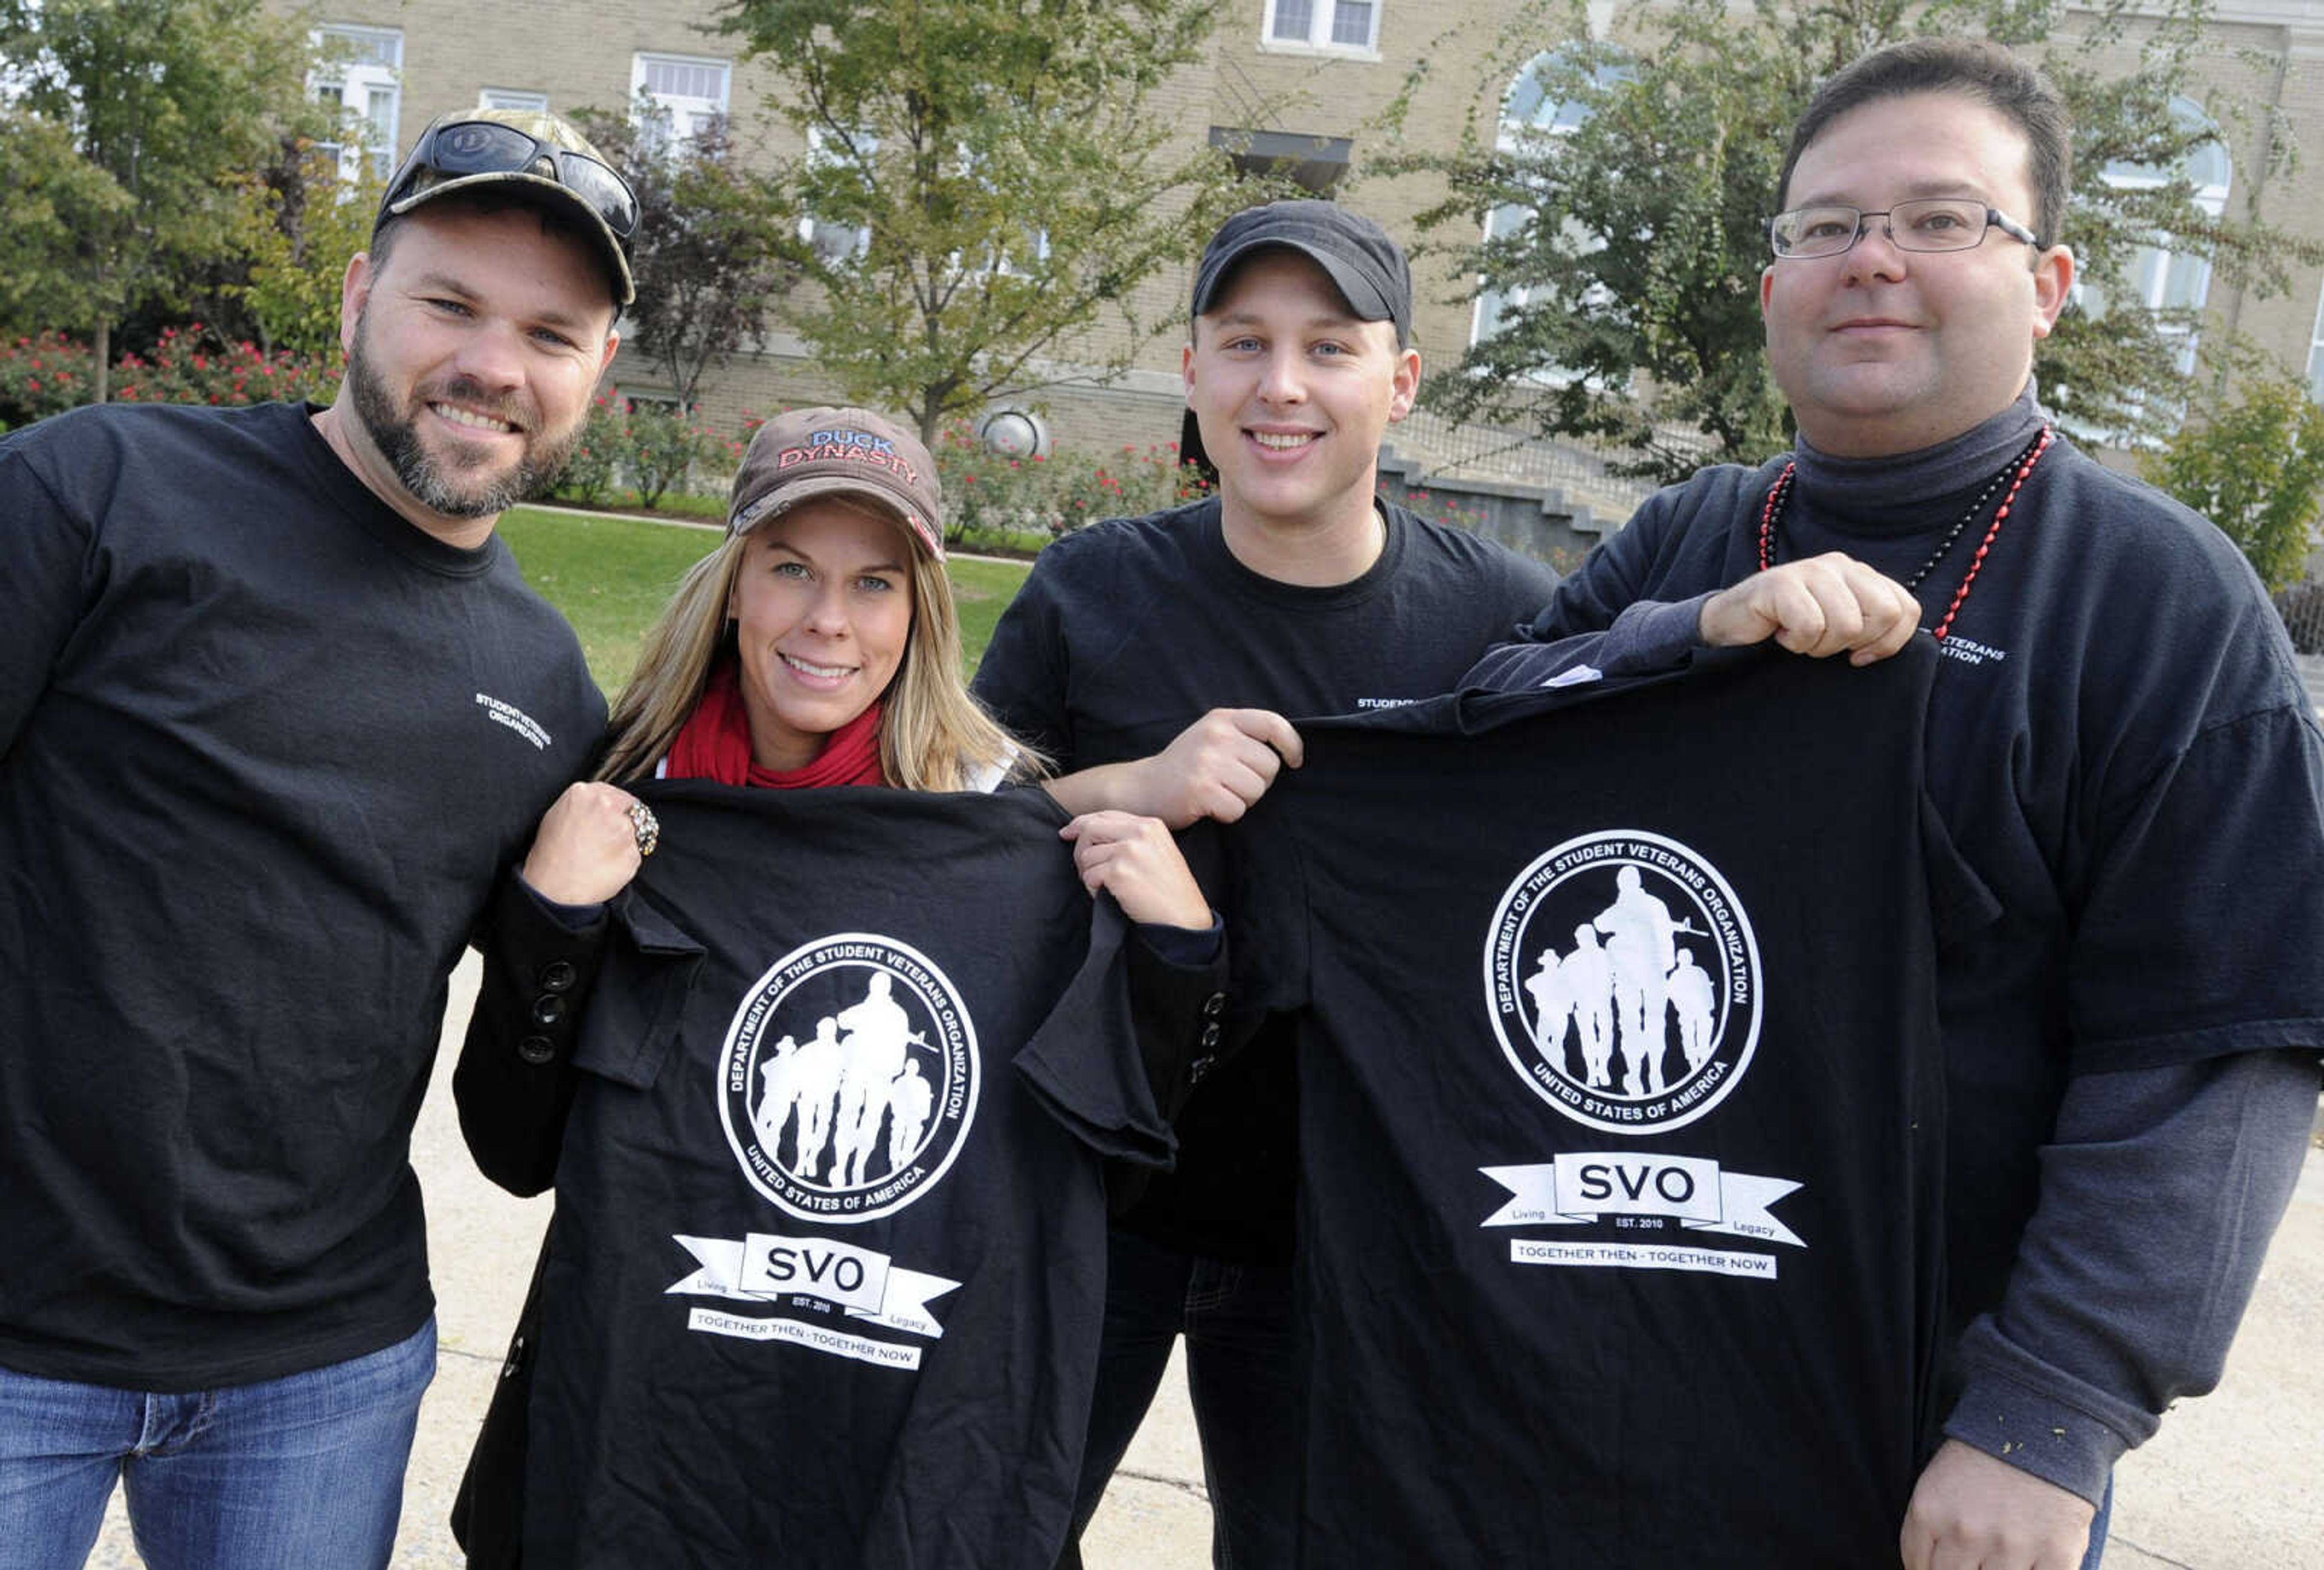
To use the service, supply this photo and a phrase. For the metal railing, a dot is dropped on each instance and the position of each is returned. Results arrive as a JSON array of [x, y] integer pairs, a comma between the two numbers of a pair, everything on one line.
[[1488, 453]]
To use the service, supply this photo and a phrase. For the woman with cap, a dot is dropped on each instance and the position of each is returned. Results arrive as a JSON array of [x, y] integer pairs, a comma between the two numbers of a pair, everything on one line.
[[818, 647]]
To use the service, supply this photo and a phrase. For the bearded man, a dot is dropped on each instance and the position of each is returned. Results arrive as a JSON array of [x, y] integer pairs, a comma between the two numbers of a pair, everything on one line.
[[276, 709]]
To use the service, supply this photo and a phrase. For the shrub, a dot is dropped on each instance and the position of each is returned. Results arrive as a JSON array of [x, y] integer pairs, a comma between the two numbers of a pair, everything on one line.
[[989, 492], [196, 366], [49, 374], [597, 463], [40, 375], [1439, 508], [2256, 469], [664, 446]]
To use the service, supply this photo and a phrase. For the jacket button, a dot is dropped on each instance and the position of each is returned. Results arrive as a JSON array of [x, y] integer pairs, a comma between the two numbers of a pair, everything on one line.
[[547, 1009], [1209, 1036], [559, 975], [1213, 1004], [537, 1051]]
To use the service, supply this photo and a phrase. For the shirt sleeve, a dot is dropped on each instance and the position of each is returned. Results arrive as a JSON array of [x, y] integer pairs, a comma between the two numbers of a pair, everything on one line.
[[515, 1082], [1110, 1062], [2159, 1194], [46, 590], [1021, 679], [2198, 927], [1644, 639]]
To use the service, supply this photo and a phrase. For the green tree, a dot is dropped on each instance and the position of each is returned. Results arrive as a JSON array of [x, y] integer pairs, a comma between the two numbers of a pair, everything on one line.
[[2255, 467], [1625, 192], [50, 197], [301, 222], [985, 182], [173, 102], [707, 257]]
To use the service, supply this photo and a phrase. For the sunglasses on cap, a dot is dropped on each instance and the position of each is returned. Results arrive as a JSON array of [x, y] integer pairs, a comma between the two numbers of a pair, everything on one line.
[[458, 149]]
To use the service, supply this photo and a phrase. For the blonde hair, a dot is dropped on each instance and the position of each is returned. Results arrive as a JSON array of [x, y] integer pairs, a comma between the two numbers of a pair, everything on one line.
[[933, 736]]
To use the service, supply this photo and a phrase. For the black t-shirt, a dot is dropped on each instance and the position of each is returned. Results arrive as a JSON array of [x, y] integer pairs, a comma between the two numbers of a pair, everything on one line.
[[1131, 629], [2119, 747], [1620, 1229], [264, 749], [828, 1268]]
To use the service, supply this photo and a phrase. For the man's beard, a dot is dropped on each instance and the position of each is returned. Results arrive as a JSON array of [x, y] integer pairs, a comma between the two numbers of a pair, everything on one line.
[[437, 485]]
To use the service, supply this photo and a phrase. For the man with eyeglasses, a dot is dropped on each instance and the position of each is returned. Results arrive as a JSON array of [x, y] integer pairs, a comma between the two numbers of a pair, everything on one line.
[[2131, 999], [276, 708]]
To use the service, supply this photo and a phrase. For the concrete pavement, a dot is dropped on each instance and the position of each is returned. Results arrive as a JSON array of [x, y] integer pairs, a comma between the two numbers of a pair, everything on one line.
[[2232, 1482]]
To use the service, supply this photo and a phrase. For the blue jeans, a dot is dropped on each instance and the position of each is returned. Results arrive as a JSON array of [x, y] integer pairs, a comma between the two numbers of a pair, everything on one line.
[[2098, 1527], [287, 1474], [1240, 1374]]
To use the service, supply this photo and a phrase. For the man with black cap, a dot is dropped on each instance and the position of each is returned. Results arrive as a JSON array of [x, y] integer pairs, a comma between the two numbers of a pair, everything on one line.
[[275, 709], [1155, 659]]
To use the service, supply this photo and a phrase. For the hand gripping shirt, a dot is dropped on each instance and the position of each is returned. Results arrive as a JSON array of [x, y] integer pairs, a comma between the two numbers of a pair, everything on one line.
[[1622, 1117], [1127, 632], [828, 1266]]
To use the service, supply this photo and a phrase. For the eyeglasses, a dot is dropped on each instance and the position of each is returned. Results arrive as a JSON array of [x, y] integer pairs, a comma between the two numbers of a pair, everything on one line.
[[1938, 224], [460, 148]]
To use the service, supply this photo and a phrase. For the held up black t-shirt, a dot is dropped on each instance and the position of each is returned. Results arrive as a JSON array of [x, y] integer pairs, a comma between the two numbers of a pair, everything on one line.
[[828, 1266], [1130, 631], [1621, 1117]]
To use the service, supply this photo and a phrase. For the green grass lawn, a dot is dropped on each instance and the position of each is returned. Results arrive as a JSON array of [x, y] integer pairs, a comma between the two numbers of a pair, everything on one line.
[[611, 576]]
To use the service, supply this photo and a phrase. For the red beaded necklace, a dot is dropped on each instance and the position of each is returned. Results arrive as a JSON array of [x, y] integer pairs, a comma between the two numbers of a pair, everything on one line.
[[2023, 464]]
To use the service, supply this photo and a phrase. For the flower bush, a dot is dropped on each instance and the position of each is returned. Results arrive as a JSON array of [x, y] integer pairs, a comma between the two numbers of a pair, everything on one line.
[[663, 446], [49, 373], [992, 492], [1449, 511], [590, 474]]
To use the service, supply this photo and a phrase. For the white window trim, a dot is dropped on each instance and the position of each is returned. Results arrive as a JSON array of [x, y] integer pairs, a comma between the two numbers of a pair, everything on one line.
[[357, 81], [1319, 33], [1506, 139], [840, 243], [680, 106], [511, 98], [2316, 352], [2153, 276]]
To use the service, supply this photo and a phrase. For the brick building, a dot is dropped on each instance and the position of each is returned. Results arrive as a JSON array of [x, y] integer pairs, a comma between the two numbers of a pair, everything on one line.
[[1302, 79]]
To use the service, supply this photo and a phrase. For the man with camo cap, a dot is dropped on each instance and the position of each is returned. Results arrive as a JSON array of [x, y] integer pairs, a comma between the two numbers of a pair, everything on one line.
[[276, 709]]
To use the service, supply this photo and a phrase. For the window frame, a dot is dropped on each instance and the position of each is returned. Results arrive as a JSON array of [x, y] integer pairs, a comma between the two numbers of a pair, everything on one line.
[[685, 109], [2147, 277], [858, 242], [356, 86], [1322, 19], [2316, 351], [1544, 118]]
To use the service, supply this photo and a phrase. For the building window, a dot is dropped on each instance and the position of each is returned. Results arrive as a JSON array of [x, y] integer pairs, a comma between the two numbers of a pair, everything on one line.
[[1341, 26], [690, 89], [361, 70], [2162, 280], [1529, 113], [2316, 353], [512, 98], [836, 242]]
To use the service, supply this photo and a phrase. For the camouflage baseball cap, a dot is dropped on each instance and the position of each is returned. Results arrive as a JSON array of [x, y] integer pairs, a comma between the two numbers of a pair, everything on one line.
[[535, 150]]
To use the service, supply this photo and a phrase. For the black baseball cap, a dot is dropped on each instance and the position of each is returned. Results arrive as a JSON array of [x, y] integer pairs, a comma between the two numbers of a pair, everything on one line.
[[1364, 264]]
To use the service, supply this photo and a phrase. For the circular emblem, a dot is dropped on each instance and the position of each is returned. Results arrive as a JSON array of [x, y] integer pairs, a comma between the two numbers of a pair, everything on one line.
[[1623, 981], [849, 1078]]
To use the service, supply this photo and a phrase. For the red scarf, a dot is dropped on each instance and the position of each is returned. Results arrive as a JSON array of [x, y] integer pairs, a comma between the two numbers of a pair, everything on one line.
[[715, 743]]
